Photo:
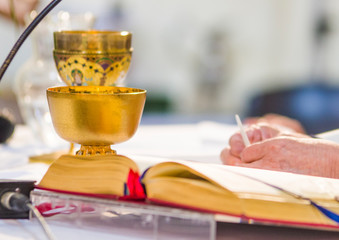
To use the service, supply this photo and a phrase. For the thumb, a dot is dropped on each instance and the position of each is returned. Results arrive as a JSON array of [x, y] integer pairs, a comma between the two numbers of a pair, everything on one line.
[[253, 153], [228, 159], [236, 145]]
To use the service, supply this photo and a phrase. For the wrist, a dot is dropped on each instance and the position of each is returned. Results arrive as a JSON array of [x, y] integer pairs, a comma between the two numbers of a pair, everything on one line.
[[331, 160], [334, 169]]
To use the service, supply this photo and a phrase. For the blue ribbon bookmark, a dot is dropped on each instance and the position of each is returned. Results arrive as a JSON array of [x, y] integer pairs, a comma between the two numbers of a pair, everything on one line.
[[328, 213]]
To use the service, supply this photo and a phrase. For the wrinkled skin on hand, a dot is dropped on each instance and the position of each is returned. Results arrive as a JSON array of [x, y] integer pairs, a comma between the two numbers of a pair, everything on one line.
[[257, 133], [279, 120], [273, 149]]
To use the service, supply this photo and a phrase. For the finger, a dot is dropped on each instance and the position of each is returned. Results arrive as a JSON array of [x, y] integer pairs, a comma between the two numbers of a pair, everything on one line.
[[272, 116], [257, 164], [236, 145], [268, 132], [228, 159], [251, 120], [255, 135], [254, 152], [260, 164], [285, 121]]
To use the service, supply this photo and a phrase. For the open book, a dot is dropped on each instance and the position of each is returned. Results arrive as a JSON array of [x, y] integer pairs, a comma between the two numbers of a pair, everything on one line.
[[252, 194]]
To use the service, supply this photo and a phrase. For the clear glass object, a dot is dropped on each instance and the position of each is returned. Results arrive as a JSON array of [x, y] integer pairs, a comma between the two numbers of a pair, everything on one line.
[[130, 220], [39, 72]]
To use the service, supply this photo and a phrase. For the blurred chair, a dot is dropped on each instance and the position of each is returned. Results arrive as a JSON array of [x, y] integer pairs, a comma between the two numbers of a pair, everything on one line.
[[316, 106]]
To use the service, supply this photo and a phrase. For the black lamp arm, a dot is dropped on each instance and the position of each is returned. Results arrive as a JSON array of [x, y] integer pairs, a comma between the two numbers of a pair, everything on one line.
[[25, 34]]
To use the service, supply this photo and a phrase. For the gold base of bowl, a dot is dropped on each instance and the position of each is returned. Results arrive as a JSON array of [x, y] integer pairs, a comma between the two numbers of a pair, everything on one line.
[[96, 116]]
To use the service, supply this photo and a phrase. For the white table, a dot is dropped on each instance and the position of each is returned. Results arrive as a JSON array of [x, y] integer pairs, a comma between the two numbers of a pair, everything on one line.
[[198, 142]]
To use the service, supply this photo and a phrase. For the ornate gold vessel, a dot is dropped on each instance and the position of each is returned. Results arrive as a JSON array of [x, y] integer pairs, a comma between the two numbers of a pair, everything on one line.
[[96, 116], [92, 58]]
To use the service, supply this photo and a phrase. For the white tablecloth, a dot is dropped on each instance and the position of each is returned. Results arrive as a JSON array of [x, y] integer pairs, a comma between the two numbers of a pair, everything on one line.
[[198, 142]]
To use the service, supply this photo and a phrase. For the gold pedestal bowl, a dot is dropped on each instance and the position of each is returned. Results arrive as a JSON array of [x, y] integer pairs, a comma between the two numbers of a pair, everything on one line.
[[96, 116], [92, 58]]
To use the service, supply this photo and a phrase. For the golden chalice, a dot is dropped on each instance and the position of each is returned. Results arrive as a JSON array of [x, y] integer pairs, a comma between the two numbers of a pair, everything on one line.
[[95, 116], [93, 57]]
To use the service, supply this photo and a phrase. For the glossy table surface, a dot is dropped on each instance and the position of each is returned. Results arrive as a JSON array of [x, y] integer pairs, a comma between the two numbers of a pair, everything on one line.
[[201, 141], [189, 140]]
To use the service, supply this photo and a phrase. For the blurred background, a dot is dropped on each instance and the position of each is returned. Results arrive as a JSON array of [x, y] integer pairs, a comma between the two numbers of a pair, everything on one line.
[[211, 59]]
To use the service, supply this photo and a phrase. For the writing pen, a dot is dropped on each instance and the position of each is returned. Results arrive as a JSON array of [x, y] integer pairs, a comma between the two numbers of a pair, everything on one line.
[[242, 131]]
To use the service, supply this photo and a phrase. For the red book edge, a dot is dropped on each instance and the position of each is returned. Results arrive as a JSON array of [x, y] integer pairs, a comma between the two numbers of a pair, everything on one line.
[[246, 219], [135, 192]]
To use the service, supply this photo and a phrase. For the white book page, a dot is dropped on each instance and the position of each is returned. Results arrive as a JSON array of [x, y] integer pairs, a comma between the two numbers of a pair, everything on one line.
[[330, 135], [144, 162], [235, 180], [216, 172], [304, 185]]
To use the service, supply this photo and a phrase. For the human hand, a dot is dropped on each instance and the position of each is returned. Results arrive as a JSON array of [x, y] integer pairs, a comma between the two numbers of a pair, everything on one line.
[[289, 154], [277, 120], [257, 133]]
